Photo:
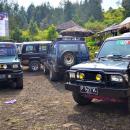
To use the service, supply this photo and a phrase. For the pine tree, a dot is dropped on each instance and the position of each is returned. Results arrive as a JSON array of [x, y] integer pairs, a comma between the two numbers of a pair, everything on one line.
[[95, 9], [68, 11], [126, 5]]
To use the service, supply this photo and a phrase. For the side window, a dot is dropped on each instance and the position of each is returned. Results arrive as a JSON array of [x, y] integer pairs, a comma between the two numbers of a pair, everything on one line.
[[43, 48], [30, 49]]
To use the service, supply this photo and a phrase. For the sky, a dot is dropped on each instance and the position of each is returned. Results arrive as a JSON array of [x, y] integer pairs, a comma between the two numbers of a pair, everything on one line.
[[55, 3]]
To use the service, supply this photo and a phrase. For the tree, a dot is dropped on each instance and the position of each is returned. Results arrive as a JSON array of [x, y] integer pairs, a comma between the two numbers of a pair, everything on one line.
[[68, 11], [126, 5], [16, 35], [113, 16], [33, 28], [95, 9], [86, 13], [52, 34], [31, 12], [23, 23]]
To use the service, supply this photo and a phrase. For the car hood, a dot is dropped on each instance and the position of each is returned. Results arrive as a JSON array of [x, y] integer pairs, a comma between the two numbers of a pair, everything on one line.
[[9, 59], [108, 65]]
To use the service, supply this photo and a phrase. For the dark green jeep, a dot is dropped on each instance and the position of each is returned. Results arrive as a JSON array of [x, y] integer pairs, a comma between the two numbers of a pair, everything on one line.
[[10, 67], [107, 77]]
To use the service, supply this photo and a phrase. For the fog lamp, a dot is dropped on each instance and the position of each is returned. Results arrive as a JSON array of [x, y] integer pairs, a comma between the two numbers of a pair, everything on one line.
[[81, 76], [98, 77]]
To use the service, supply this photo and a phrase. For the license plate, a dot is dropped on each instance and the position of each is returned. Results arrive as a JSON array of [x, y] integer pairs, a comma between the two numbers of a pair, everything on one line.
[[2, 76], [89, 90]]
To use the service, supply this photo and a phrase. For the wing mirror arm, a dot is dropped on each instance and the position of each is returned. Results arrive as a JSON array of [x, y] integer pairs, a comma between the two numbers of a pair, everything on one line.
[[96, 53]]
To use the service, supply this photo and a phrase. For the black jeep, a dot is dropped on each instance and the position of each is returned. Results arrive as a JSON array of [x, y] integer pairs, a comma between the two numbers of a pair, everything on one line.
[[107, 77], [10, 67], [34, 53], [62, 55]]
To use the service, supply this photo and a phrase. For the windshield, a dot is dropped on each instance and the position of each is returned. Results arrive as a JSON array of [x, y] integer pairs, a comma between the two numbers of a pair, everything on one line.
[[115, 48], [7, 50]]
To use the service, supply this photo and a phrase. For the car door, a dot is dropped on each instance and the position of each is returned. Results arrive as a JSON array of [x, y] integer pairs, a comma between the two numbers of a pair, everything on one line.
[[52, 56], [84, 53], [29, 51], [43, 48]]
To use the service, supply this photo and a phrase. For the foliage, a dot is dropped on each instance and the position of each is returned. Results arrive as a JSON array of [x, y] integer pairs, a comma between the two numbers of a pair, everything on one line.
[[95, 25], [16, 35], [95, 9], [126, 5], [92, 50], [52, 34], [35, 23], [33, 28], [113, 16]]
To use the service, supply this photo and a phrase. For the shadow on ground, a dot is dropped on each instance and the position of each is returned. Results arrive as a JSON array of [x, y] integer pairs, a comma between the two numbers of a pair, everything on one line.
[[108, 115], [6, 90]]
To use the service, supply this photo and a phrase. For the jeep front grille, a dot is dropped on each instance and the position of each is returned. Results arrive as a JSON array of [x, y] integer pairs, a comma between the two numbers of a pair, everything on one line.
[[91, 76]]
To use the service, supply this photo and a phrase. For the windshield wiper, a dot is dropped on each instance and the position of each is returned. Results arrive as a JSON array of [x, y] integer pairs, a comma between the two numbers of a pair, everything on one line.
[[127, 57], [112, 56]]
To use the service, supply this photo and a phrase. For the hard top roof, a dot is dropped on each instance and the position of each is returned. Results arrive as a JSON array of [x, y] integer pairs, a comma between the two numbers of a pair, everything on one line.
[[7, 43], [38, 42], [123, 36], [70, 41]]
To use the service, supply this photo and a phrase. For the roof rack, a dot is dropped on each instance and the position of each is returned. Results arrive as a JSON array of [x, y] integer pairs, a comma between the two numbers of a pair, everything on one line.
[[70, 38]]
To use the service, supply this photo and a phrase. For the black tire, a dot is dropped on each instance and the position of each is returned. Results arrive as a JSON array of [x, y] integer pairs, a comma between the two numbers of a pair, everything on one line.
[[68, 59], [45, 70], [78, 98], [53, 75], [34, 66], [19, 83]]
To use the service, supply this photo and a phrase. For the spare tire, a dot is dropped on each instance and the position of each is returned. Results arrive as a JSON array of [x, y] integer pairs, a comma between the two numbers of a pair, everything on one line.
[[68, 59]]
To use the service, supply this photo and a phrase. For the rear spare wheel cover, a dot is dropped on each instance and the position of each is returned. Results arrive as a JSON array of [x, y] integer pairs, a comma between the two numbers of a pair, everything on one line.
[[69, 59]]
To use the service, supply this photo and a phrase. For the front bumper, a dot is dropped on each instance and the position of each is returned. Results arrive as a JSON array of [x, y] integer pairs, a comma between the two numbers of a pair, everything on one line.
[[104, 92], [11, 76]]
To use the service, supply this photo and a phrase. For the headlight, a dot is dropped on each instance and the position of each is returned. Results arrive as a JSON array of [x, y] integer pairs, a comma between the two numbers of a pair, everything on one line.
[[15, 66], [116, 78], [72, 75], [5, 66]]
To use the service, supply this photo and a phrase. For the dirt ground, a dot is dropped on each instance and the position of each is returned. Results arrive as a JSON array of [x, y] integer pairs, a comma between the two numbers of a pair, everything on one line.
[[44, 105]]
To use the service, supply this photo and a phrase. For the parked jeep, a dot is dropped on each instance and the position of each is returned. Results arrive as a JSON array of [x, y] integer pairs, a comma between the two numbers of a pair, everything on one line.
[[34, 53], [107, 77], [62, 55], [10, 67]]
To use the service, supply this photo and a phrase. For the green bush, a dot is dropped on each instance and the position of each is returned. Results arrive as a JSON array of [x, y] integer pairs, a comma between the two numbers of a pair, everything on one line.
[[92, 50]]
